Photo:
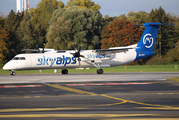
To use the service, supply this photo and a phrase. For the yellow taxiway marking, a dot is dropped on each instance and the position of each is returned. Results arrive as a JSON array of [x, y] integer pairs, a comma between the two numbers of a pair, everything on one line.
[[161, 108], [104, 95], [72, 115], [144, 119], [152, 106], [71, 89], [53, 109], [26, 96]]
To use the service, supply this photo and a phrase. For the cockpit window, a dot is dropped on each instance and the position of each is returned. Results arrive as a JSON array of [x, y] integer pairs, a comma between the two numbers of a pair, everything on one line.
[[19, 58], [16, 58]]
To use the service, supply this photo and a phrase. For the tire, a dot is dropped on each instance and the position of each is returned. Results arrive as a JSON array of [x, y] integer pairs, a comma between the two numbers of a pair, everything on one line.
[[99, 71], [64, 71], [12, 73]]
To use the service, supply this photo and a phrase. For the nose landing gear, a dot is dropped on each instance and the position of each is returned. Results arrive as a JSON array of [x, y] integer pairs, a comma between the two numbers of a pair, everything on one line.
[[12, 73]]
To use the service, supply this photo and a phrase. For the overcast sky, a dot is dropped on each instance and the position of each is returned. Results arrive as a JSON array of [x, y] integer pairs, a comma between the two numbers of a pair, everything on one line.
[[110, 7]]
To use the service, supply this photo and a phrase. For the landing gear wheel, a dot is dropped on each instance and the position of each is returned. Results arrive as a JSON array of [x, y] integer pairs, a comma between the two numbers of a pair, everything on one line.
[[64, 71], [12, 73], [99, 71]]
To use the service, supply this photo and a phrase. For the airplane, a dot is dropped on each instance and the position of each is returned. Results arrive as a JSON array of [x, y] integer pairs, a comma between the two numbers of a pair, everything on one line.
[[64, 59]]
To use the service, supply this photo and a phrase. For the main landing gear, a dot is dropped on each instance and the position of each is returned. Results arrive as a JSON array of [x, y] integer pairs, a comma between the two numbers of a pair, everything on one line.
[[99, 71], [64, 71], [12, 73]]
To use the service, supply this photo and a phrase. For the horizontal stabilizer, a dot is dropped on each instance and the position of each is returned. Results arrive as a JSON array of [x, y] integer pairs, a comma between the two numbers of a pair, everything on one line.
[[147, 24]]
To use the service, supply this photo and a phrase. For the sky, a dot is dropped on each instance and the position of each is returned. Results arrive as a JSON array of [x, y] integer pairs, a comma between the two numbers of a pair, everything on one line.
[[110, 7]]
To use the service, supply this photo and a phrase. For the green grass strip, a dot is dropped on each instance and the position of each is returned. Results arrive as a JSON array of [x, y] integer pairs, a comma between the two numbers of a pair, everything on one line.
[[174, 79], [118, 69]]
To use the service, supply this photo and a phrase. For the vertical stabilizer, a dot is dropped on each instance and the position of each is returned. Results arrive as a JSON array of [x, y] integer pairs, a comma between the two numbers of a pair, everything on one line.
[[148, 38], [146, 44]]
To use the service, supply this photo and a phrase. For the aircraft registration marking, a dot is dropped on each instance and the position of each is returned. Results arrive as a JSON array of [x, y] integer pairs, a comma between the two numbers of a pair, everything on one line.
[[91, 84]]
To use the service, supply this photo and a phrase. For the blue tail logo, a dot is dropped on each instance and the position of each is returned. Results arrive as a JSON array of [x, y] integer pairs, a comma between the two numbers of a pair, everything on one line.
[[148, 40]]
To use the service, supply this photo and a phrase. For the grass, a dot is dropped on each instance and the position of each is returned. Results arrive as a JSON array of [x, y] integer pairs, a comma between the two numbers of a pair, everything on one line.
[[135, 68], [174, 79]]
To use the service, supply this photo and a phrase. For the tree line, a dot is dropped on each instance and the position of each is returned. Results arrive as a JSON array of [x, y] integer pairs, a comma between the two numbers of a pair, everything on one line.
[[58, 26]]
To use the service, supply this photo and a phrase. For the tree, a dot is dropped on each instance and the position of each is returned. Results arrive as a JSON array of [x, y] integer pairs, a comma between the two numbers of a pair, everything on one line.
[[69, 25], [119, 33], [2, 19], [41, 15], [122, 17], [83, 4], [106, 20], [138, 18], [44, 10], [162, 44], [11, 24], [4, 45], [58, 34], [29, 36], [173, 54]]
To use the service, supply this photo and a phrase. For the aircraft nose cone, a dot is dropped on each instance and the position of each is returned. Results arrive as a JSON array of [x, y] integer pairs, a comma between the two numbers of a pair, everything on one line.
[[7, 66]]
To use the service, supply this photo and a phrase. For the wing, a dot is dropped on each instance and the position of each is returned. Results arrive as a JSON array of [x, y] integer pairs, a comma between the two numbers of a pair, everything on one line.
[[39, 50], [30, 50], [113, 50]]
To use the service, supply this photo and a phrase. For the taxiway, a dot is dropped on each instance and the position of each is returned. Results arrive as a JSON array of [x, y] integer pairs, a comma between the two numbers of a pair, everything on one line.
[[89, 96]]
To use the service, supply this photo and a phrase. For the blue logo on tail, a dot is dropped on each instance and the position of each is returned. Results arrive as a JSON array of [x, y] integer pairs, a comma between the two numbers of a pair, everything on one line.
[[148, 40]]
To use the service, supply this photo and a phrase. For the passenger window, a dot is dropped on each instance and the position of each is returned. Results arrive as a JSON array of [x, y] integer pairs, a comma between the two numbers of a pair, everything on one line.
[[22, 58]]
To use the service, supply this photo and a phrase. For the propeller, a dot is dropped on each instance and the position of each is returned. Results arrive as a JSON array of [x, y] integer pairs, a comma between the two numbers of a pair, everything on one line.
[[40, 51], [77, 54]]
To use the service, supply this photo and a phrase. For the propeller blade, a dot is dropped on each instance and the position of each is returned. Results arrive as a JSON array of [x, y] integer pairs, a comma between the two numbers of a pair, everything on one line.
[[72, 54], [43, 48], [82, 56], [79, 49], [77, 54], [37, 47], [79, 62], [75, 47]]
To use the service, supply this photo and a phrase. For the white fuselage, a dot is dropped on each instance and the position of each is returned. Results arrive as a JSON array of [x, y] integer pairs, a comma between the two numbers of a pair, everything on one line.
[[115, 56], [66, 60]]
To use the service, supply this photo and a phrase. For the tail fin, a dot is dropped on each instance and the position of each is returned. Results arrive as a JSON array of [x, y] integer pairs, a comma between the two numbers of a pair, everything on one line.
[[146, 44], [148, 38]]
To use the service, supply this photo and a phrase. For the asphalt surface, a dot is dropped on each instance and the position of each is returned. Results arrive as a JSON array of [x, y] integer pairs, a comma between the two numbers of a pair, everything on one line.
[[89, 96]]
